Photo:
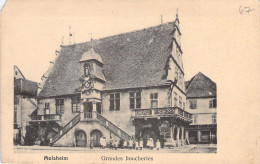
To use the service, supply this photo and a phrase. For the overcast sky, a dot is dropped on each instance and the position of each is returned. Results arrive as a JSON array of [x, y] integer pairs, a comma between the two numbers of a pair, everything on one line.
[[34, 29]]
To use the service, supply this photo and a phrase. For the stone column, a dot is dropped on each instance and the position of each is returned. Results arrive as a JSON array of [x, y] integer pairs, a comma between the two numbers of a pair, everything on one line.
[[94, 109], [172, 133], [187, 136], [182, 135], [178, 134], [198, 135], [82, 110]]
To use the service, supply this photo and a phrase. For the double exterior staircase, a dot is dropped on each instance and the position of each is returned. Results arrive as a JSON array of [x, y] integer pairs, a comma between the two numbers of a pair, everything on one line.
[[112, 127], [66, 128], [96, 117]]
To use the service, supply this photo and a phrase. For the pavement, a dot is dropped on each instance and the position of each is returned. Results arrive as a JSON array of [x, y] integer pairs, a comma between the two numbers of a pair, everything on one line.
[[182, 149]]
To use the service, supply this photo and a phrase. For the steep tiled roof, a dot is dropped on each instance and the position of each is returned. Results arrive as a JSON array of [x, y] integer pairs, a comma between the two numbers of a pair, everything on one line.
[[25, 87], [200, 86], [131, 60]]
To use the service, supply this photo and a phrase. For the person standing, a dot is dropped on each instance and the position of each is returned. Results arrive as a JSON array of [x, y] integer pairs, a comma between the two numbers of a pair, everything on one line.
[[141, 144], [125, 144], [158, 144], [130, 144], [91, 142], [151, 143], [136, 145], [102, 142], [115, 144], [111, 143]]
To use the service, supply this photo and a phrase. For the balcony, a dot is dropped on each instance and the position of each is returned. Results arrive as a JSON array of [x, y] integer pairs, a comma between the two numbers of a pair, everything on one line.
[[47, 117], [162, 112]]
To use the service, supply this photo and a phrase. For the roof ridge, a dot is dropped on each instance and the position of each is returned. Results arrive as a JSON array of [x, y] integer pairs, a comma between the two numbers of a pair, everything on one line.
[[191, 82], [115, 35]]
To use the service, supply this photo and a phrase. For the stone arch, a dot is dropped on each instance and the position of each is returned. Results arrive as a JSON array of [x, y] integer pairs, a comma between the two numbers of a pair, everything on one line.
[[80, 138], [149, 133], [96, 135]]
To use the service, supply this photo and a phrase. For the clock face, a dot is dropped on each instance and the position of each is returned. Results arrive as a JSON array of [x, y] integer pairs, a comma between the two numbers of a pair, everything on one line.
[[88, 84]]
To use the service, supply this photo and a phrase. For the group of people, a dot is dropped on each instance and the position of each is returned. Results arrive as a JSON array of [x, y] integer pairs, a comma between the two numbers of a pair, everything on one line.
[[131, 144]]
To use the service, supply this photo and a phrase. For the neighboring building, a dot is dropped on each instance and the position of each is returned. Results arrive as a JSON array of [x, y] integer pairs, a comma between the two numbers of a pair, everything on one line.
[[202, 103], [25, 92], [120, 87]]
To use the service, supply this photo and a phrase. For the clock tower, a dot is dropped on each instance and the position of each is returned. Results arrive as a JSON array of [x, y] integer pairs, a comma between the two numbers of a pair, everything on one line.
[[91, 81]]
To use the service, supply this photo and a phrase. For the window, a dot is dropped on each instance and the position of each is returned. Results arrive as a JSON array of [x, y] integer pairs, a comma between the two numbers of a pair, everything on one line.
[[47, 105], [180, 81], [47, 111], [59, 106], [154, 100], [16, 73], [114, 101], [214, 119], [135, 99], [176, 74], [175, 99], [194, 119], [212, 103], [193, 104], [75, 104], [46, 108], [183, 105], [180, 101]]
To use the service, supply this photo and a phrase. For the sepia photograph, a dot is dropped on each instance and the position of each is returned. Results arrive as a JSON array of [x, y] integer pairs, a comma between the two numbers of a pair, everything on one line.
[[127, 81]]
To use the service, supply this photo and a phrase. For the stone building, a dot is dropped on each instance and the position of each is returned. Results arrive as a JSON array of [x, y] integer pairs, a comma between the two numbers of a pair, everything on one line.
[[25, 92], [120, 87], [202, 103]]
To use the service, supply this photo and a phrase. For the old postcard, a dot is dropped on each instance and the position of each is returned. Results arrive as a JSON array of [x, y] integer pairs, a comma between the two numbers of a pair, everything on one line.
[[130, 81]]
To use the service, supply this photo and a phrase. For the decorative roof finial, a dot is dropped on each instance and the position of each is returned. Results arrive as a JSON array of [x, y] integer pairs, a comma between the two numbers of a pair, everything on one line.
[[70, 34], [161, 19]]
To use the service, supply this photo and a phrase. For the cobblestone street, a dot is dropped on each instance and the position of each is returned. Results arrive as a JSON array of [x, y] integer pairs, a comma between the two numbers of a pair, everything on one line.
[[183, 149]]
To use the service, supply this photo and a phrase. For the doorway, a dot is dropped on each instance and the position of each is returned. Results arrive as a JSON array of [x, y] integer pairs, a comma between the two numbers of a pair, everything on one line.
[[149, 133], [96, 135], [88, 109], [81, 139]]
